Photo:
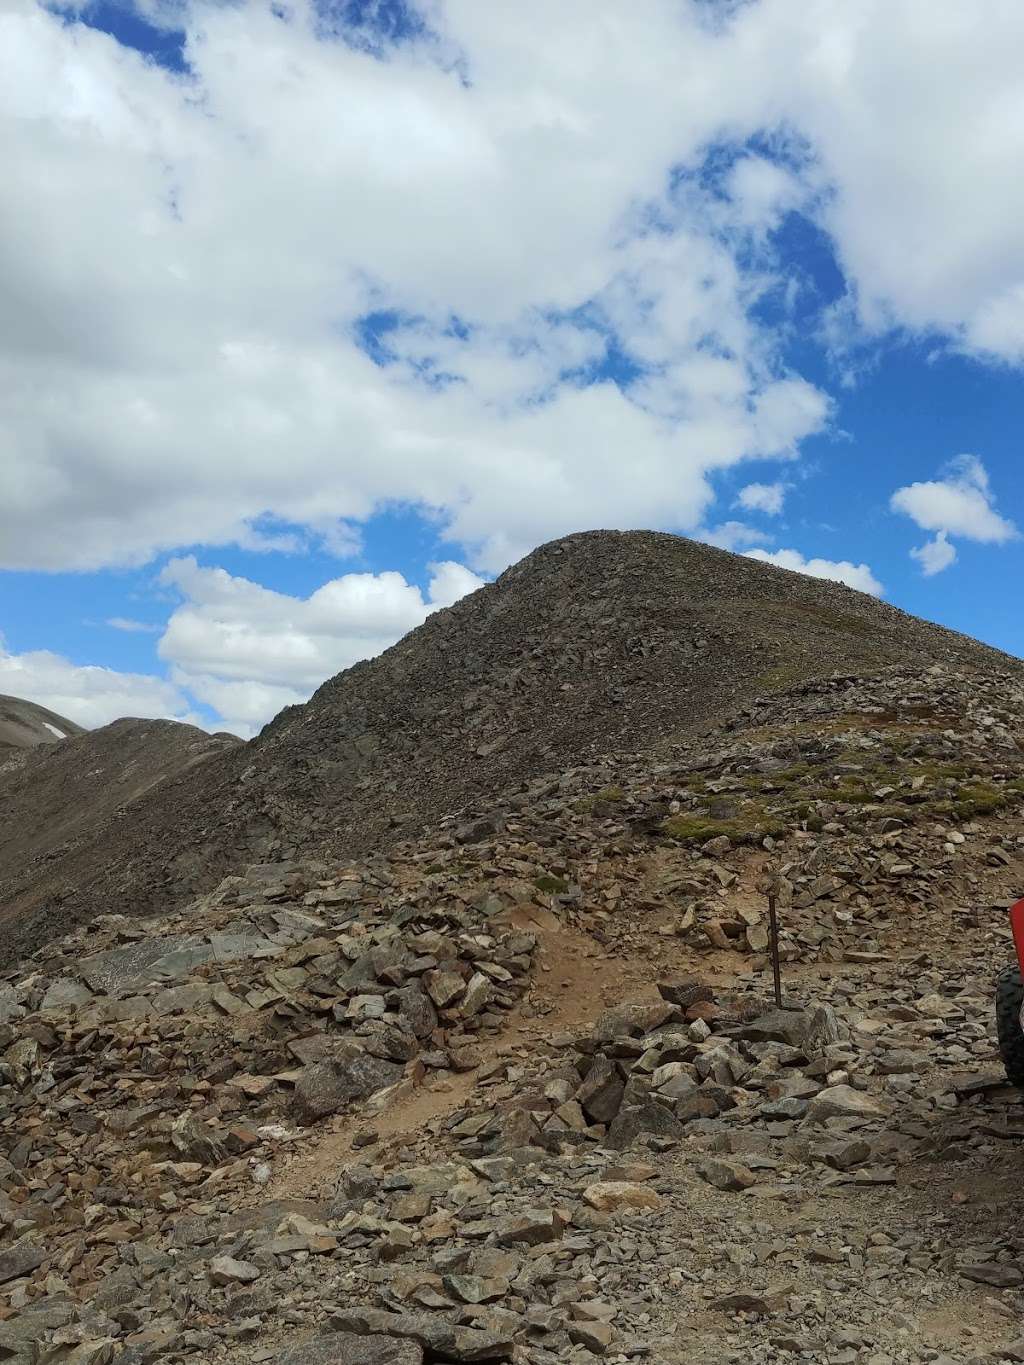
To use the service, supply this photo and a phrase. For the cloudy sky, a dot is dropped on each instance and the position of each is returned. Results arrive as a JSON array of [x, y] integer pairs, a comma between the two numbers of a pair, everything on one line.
[[318, 313]]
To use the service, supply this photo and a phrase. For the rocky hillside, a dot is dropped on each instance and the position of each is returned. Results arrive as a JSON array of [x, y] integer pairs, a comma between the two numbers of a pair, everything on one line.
[[595, 644], [57, 798], [23, 725], [517, 1090]]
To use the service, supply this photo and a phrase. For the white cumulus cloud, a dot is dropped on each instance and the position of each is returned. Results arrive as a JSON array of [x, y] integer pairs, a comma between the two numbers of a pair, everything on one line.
[[184, 286], [961, 504], [762, 497], [762, 191], [935, 555], [908, 111], [857, 576], [183, 289], [733, 535]]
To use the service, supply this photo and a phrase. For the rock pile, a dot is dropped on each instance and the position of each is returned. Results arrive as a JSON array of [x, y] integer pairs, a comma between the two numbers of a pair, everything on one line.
[[147, 1060]]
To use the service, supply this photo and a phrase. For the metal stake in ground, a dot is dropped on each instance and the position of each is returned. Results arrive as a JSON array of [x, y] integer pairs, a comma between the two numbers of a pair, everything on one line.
[[773, 940]]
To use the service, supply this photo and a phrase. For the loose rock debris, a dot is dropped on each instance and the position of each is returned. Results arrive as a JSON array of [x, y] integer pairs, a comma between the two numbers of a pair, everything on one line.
[[686, 1174]]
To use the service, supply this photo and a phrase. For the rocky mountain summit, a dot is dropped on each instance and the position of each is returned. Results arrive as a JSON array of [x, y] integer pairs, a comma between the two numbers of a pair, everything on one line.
[[516, 1089], [598, 643]]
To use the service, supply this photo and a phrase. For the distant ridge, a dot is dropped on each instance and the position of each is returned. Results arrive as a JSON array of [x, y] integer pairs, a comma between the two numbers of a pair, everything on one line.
[[57, 799], [23, 725]]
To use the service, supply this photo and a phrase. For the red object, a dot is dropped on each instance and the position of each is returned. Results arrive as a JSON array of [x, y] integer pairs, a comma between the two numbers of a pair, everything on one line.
[[1017, 925]]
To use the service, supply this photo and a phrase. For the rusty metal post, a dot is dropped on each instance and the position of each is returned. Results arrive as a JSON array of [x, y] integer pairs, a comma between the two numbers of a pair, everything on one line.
[[773, 936]]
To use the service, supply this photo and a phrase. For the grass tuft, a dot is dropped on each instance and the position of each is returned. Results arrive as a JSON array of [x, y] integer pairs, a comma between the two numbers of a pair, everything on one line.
[[553, 886], [747, 826]]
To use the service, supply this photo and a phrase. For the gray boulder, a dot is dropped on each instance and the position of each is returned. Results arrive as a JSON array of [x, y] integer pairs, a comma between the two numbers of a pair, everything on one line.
[[351, 1074], [843, 1102], [417, 1010], [600, 1095], [642, 1118], [20, 1259]]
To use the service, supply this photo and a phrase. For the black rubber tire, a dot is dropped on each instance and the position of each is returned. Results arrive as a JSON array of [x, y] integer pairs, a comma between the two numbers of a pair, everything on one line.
[[1009, 995]]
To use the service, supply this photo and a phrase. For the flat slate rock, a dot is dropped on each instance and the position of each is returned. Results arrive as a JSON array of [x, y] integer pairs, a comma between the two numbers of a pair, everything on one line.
[[20, 1259], [346, 1348], [125, 969]]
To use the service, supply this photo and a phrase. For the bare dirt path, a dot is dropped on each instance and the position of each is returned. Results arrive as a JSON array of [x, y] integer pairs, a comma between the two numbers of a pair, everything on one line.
[[575, 979]]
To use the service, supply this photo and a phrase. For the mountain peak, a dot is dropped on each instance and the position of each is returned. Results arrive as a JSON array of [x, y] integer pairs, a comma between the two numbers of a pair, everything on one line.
[[601, 642]]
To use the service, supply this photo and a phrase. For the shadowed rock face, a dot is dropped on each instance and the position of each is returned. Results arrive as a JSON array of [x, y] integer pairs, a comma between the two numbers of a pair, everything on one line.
[[595, 644], [23, 725]]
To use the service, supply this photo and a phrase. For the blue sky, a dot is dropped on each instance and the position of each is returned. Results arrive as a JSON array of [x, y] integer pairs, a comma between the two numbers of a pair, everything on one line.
[[323, 314]]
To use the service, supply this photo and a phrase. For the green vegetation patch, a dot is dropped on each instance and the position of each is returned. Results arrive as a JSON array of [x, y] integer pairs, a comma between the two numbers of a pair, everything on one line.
[[794, 773], [939, 772], [778, 679], [746, 826], [607, 795], [553, 886], [978, 798]]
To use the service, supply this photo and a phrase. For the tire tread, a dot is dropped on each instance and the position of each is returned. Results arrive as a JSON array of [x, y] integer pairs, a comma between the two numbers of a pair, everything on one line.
[[1009, 995]]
